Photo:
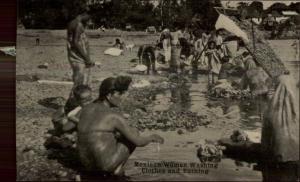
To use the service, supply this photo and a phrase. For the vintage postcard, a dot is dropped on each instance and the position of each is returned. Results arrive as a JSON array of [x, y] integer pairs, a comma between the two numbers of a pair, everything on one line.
[[157, 90]]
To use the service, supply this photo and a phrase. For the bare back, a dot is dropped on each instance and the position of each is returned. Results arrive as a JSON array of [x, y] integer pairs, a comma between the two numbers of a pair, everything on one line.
[[97, 137]]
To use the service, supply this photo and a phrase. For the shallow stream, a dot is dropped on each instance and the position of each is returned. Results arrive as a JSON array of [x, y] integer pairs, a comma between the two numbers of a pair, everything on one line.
[[182, 148]]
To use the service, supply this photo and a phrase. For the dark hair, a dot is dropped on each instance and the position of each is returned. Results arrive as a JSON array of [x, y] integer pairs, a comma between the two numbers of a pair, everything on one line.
[[225, 59], [79, 90], [107, 86], [212, 42], [219, 31], [111, 85], [122, 83]]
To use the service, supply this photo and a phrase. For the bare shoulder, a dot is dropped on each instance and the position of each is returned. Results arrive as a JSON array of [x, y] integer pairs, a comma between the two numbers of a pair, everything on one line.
[[114, 117], [75, 26], [90, 111]]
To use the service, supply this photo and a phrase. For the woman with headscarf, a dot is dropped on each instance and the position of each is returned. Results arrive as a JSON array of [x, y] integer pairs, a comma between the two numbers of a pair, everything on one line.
[[280, 133]]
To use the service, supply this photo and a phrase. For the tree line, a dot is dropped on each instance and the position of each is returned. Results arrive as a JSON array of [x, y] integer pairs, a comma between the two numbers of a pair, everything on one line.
[[55, 14]]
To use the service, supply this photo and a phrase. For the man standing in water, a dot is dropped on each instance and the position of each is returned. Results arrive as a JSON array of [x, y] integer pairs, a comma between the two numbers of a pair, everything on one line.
[[78, 49]]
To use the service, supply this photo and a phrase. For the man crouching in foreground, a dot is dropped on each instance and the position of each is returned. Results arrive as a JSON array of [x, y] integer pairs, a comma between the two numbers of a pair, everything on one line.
[[105, 140]]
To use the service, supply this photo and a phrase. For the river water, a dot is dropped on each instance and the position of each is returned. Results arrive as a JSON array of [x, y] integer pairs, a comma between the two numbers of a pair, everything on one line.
[[183, 148], [247, 116]]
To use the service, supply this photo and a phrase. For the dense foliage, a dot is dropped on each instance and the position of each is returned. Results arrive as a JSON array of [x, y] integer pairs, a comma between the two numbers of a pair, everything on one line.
[[55, 14]]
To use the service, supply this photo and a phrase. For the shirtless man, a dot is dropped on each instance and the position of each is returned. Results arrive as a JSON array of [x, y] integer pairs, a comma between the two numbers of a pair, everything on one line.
[[78, 49], [78, 55], [105, 140]]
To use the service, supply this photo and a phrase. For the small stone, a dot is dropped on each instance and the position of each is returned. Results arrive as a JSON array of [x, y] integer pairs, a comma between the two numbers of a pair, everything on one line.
[[43, 66], [126, 116], [31, 153], [47, 135], [41, 147]]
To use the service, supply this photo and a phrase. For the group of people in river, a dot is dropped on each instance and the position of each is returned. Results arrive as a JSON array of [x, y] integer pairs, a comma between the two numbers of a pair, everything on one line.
[[106, 140]]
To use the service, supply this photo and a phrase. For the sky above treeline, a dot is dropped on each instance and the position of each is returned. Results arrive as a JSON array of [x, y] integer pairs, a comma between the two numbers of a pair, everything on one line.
[[266, 3]]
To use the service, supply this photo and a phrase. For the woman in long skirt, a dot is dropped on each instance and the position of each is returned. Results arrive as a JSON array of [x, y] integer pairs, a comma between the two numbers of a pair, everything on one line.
[[280, 133]]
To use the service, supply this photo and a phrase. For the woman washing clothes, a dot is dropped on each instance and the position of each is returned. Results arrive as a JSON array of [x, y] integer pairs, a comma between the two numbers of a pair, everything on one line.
[[280, 133], [257, 81], [105, 139]]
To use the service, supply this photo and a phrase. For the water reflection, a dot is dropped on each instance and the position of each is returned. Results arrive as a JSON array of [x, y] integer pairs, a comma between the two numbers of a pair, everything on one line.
[[187, 95], [190, 95], [180, 96]]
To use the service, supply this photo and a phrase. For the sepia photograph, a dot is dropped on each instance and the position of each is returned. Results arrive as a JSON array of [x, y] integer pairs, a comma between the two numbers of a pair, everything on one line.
[[157, 90]]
